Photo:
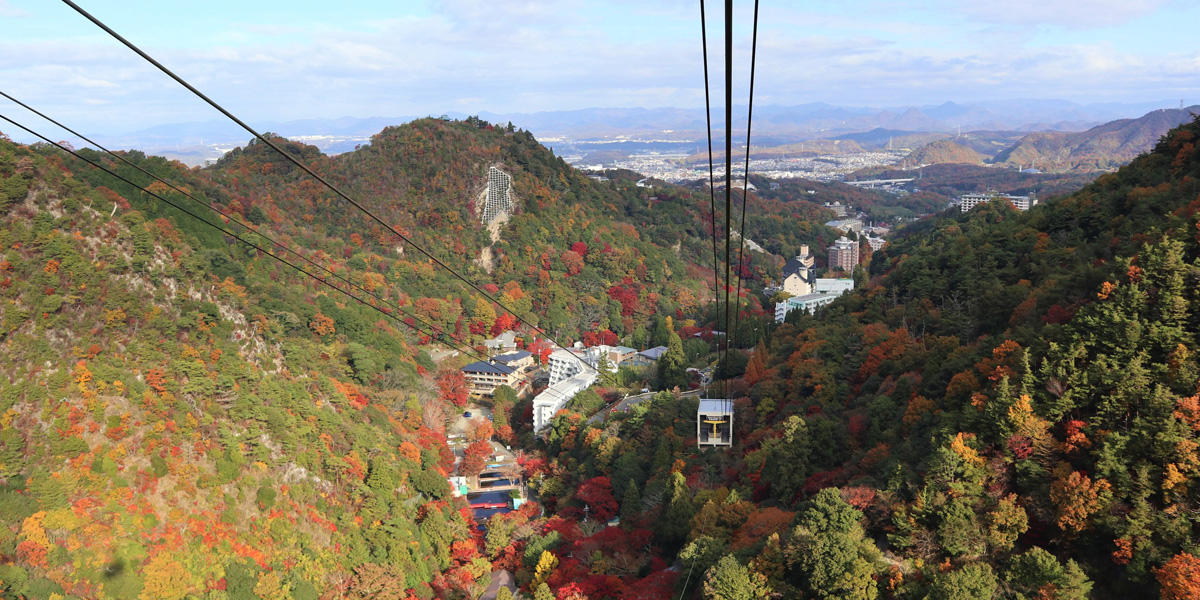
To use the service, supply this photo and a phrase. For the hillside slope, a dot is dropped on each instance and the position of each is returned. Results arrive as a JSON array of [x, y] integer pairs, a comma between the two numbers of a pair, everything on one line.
[[1008, 409], [1102, 147], [939, 152], [570, 243], [172, 429]]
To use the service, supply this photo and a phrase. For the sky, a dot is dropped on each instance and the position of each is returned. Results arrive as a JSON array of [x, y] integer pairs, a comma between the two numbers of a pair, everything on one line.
[[277, 60]]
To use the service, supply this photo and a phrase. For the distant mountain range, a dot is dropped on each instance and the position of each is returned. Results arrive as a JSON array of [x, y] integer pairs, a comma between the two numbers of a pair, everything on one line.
[[995, 126], [1106, 146], [1102, 147], [196, 142]]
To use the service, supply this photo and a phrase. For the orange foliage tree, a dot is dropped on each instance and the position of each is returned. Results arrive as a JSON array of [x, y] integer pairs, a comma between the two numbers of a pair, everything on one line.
[[1180, 577], [322, 325], [1076, 498]]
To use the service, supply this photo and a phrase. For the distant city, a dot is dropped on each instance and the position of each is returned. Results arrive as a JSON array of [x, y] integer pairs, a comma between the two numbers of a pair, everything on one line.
[[679, 167]]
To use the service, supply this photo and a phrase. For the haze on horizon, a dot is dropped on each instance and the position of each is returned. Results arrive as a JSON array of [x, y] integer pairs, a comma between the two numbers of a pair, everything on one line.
[[273, 61]]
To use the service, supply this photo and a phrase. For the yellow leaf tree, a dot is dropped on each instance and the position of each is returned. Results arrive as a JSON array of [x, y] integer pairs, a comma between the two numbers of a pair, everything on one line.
[[166, 579]]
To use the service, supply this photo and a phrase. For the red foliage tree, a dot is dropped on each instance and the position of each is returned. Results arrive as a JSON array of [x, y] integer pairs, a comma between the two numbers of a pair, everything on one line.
[[596, 338], [627, 295], [597, 493], [760, 525], [572, 261], [541, 349], [579, 248], [475, 458], [656, 586], [503, 323], [453, 386]]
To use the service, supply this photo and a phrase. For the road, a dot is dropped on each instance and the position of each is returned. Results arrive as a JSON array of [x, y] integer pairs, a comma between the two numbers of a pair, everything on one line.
[[629, 402], [461, 425]]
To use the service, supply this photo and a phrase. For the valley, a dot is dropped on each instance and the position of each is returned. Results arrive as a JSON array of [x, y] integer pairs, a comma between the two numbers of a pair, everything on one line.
[[942, 411]]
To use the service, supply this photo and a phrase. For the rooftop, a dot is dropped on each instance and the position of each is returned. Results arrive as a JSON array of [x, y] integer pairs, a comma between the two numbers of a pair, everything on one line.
[[654, 353], [483, 367], [715, 405], [512, 356]]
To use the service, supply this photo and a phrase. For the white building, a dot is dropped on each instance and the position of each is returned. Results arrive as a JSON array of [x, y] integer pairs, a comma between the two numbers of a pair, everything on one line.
[[555, 397], [968, 201], [876, 243], [502, 343], [846, 225], [798, 273], [825, 292], [833, 286], [838, 208], [563, 364]]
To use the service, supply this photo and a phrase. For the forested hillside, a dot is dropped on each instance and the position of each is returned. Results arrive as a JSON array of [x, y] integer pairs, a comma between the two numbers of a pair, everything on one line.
[[183, 415], [179, 418], [1102, 147], [1009, 410]]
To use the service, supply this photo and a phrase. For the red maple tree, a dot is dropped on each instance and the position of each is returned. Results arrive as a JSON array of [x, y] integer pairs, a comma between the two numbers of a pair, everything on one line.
[[453, 386]]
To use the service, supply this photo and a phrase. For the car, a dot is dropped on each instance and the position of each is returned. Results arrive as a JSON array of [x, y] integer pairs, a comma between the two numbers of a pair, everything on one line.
[[490, 417], [467, 415]]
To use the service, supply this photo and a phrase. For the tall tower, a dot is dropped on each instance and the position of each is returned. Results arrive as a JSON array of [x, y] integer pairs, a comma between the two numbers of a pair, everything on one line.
[[499, 196]]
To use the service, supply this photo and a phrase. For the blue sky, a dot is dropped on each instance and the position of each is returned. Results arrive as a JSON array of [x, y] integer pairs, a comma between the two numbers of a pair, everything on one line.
[[274, 60]]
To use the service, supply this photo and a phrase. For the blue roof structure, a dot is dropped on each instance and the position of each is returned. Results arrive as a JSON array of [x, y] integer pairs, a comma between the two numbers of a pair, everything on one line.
[[483, 367], [654, 353], [512, 356]]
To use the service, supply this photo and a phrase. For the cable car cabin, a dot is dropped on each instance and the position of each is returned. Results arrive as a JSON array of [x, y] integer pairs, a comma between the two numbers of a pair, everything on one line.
[[714, 423]]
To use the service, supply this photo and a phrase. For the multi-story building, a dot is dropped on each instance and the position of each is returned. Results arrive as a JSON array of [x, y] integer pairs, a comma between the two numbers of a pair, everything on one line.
[[843, 254], [798, 273], [563, 364], [824, 292], [968, 201], [485, 377], [876, 243], [838, 208], [555, 397], [846, 225]]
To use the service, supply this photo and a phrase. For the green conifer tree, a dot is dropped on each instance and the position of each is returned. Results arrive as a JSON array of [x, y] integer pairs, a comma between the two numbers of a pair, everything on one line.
[[830, 552], [543, 592], [631, 504], [676, 519], [672, 366], [729, 580]]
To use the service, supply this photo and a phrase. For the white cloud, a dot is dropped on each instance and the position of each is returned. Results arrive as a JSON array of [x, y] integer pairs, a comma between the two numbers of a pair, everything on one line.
[[1070, 14], [7, 11], [525, 56]]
